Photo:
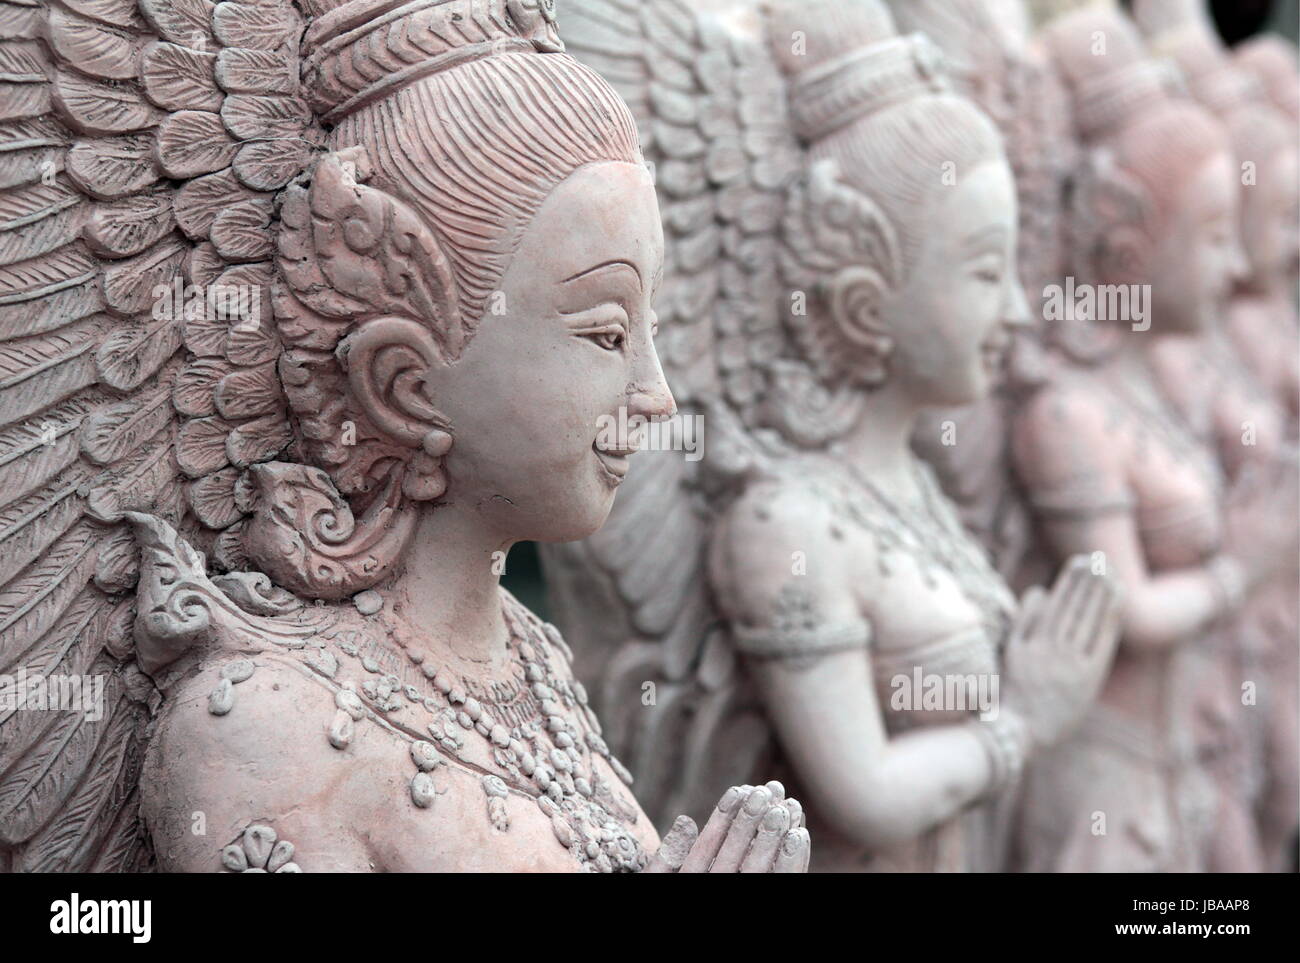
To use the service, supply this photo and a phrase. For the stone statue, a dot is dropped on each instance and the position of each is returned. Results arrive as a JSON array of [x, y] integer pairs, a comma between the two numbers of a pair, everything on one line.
[[1115, 470], [992, 59], [838, 574], [320, 305], [1218, 392]]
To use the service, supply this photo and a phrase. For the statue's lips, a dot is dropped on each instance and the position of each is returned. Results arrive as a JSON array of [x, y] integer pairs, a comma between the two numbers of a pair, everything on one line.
[[614, 462]]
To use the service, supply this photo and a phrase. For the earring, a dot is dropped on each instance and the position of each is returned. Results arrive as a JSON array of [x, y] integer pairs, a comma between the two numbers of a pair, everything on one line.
[[425, 480]]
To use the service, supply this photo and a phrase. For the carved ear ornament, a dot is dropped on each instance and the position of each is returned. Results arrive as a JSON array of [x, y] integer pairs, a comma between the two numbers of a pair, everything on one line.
[[838, 243], [1111, 214], [834, 94]]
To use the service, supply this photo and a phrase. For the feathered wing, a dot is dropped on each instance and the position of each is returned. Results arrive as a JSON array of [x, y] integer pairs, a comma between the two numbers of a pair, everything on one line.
[[633, 600], [140, 146]]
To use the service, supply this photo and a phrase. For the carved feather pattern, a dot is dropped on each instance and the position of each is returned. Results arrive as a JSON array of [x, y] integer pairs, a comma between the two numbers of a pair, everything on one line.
[[194, 142], [249, 392], [202, 199], [41, 370], [254, 26], [29, 525], [259, 440], [201, 446], [67, 647], [108, 794], [95, 48], [20, 21], [34, 277], [253, 117], [32, 602], [205, 336], [34, 202], [128, 226], [118, 13], [117, 569], [213, 498], [241, 71], [33, 452], [194, 394], [130, 285], [32, 791], [109, 782], [87, 426], [136, 350], [240, 233], [145, 482], [40, 233], [117, 431], [203, 264], [184, 22], [270, 165], [101, 107], [22, 61], [21, 100], [179, 78], [112, 166]]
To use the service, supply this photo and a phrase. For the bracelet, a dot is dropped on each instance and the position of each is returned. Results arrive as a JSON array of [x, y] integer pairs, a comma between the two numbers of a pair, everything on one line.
[[1006, 742], [1229, 583]]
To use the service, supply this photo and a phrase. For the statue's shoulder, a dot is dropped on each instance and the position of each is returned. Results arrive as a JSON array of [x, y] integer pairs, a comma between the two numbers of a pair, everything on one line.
[[245, 740]]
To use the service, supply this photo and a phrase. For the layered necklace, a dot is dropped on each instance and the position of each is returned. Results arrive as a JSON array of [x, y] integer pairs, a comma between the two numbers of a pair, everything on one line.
[[541, 733], [931, 532]]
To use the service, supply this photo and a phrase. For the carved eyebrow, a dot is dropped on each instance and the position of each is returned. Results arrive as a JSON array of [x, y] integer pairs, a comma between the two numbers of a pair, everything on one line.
[[975, 242], [604, 266]]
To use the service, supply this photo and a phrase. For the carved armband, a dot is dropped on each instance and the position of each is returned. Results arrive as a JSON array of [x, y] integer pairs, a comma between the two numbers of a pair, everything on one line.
[[797, 633]]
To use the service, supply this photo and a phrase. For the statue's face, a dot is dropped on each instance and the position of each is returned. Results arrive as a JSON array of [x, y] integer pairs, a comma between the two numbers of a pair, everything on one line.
[[1269, 215], [1199, 256], [952, 321], [566, 342]]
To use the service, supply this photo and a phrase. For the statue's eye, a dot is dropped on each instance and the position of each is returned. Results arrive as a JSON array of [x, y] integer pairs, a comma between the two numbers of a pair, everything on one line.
[[610, 338]]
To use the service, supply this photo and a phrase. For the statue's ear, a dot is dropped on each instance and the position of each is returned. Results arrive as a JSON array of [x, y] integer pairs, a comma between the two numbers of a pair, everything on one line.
[[1113, 216], [1121, 254], [388, 361], [856, 297]]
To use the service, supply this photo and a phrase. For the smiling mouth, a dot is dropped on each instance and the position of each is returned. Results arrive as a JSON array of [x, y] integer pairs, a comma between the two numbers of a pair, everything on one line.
[[613, 463], [995, 353]]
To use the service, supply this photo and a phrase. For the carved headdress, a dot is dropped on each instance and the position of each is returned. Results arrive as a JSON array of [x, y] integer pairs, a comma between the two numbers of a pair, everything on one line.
[[1135, 126], [188, 239]]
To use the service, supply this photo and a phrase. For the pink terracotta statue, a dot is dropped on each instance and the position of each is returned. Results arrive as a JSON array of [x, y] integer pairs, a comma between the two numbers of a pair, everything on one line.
[[1218, 392], [992, 59], [320, 306], [1114, 469], [842, 589]]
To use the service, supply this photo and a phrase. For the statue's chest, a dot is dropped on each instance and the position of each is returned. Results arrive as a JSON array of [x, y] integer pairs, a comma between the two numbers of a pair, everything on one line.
[[516, 763]]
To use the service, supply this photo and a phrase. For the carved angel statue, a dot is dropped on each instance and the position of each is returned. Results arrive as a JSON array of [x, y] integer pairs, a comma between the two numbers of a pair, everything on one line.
[[1114, 468], [1218, 393], [320, 304], [993, 58], [800, 588]]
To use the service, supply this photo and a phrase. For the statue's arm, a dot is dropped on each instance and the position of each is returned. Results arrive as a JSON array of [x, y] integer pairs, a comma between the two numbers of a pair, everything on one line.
[[265, 763], [818, 692], [1066, 456]]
